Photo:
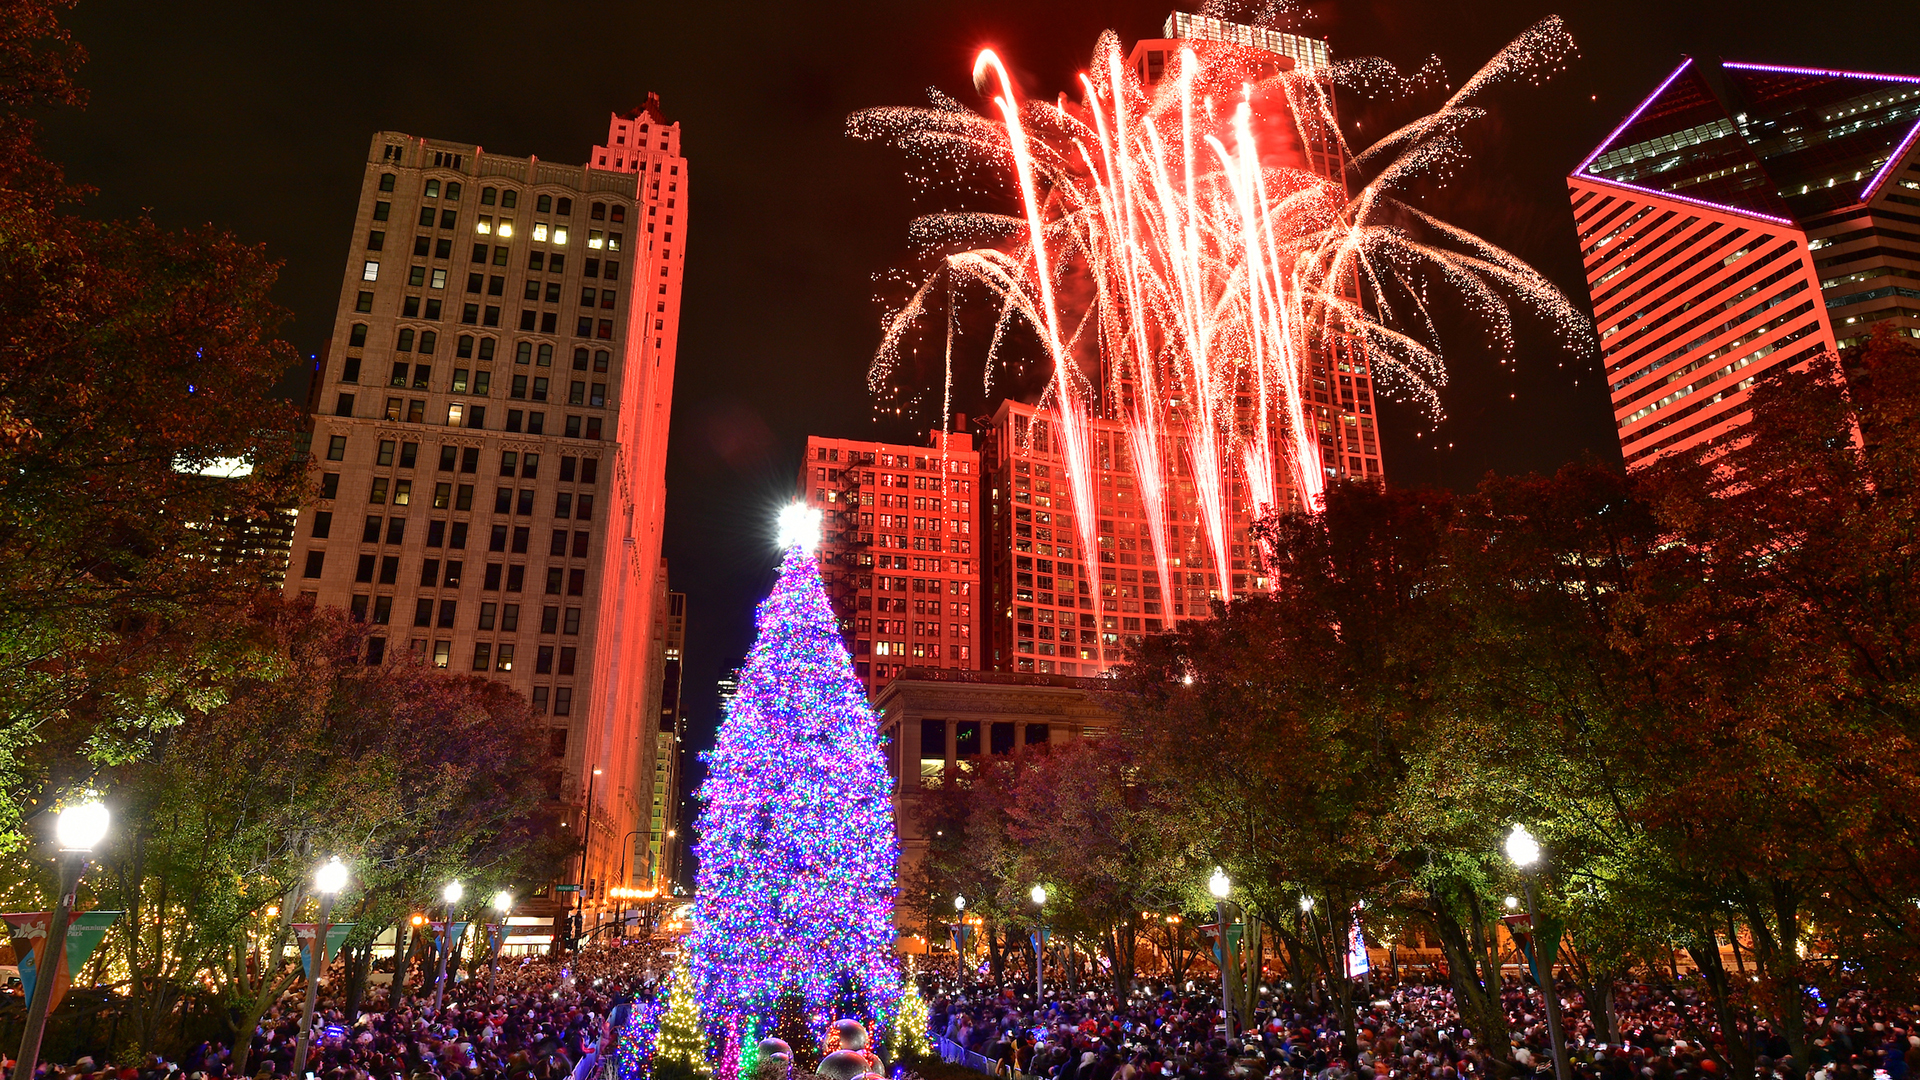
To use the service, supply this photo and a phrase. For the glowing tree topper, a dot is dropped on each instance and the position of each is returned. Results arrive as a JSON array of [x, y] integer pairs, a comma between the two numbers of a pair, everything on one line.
[[795, 834]]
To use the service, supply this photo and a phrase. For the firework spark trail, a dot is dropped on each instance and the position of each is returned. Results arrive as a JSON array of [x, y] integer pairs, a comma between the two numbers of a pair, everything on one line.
[[1220, 283]]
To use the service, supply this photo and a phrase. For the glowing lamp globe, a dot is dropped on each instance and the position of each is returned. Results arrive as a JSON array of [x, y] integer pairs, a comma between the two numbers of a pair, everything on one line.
[[959, 903], [1522, 848], [1306, 903], [331, 877], [82, 825], [1219, 884], [798, 526], [453, 892], [1513, 903], [503, 901], [1038, 895]]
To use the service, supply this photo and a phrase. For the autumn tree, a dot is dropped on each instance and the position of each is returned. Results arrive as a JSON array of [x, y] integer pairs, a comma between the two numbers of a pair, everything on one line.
[[144, 460]]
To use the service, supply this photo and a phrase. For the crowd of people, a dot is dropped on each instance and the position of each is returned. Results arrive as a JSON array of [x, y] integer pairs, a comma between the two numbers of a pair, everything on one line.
[[1406, 1032], [539, 1018], [546, 1018]]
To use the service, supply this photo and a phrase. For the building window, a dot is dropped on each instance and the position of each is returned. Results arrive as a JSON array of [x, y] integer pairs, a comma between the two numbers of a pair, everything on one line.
[[370, 272], [317, 560], [482, 656], [563, 701]]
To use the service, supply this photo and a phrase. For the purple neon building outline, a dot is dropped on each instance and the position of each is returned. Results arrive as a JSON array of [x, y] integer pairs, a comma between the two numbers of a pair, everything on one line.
[[1632, 116]]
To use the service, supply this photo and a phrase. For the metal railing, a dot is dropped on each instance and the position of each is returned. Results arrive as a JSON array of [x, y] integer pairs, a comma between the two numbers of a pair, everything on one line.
[[954, 1054]]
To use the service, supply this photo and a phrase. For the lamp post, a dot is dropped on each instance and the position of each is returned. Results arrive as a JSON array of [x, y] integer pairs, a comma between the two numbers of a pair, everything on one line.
[[327, 881], [959, 940], [586, 853], [1038, 894], [451, 894], [1313, 928], [502, 904], [1524, 850], [78, 828], [1220, 885]]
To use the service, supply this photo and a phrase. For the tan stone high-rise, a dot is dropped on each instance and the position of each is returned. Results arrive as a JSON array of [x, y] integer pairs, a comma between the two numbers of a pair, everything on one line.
[[491, 433]]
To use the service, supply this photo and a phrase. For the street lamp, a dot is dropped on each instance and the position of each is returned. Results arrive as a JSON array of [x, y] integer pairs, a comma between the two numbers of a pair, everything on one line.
[[1038, 894], [1220, 885], [451, 894], [327, 881], [502, 904], [959, 940], [78, 828], [1524, 850]]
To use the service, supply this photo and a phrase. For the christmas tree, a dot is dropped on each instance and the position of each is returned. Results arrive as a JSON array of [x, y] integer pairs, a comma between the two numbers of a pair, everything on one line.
[[796, 843], [681, 1049], [909, 1032], [729, 1066]]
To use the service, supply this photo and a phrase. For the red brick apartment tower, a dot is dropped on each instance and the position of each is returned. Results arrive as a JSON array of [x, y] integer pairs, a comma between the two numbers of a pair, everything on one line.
[[518, 536], [1742, 220], [897, 549]]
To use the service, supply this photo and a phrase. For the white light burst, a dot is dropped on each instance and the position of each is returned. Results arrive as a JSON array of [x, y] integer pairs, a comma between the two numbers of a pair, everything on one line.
[[798, 524]]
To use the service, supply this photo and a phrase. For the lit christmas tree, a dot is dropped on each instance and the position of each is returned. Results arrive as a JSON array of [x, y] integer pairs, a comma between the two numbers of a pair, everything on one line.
[[729, 1066], [681, 1048], [909, 1032], [796, 844]]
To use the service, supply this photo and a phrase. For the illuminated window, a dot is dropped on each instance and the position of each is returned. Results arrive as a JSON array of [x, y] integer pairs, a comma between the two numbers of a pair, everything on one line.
[[560, 234], [540, 229], [370, 272]]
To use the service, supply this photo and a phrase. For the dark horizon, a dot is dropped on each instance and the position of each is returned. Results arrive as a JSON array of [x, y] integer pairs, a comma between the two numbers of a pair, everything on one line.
[[257, 120]]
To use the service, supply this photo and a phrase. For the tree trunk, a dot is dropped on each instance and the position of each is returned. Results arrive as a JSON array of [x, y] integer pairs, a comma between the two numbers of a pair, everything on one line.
[[1476, 985], [996, 954], [356, 964], [1122, 952], [1739, 1054]]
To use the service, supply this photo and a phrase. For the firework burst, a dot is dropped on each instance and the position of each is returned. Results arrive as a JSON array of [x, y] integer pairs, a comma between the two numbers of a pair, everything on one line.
[[1197, 253]]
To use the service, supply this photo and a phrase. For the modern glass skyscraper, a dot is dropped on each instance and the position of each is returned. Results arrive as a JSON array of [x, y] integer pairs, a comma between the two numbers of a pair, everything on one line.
[[1743, 219]]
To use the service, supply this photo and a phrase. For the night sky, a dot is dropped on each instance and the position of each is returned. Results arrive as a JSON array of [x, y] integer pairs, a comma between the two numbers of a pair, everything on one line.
[[256, 117]]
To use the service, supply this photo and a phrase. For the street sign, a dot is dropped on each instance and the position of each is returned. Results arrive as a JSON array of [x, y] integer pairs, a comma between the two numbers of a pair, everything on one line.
[[566, 888]]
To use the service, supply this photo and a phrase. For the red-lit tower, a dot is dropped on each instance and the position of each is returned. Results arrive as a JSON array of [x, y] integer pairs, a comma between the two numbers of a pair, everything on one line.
[[490, 433], [1742, 220], [897, 549], [1045, 615]]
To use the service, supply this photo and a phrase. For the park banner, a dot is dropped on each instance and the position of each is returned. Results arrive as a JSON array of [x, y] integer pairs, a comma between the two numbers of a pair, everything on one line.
[[1358, 963], [29, 931], [336, 933]]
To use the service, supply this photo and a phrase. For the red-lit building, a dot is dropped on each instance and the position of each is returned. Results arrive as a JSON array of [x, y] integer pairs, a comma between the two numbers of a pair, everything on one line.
[[897, 549], [1744, 219], [490, 432]]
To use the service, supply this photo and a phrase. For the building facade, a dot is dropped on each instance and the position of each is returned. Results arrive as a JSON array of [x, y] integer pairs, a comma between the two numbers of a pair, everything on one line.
[[663, 828], [936, 723], [1744, 219], [491, 442], [896, 550]]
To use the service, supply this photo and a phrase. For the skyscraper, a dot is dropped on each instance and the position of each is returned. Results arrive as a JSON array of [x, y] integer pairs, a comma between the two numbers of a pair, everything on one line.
[[896, 549], [1742, 220], [491, 437]]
